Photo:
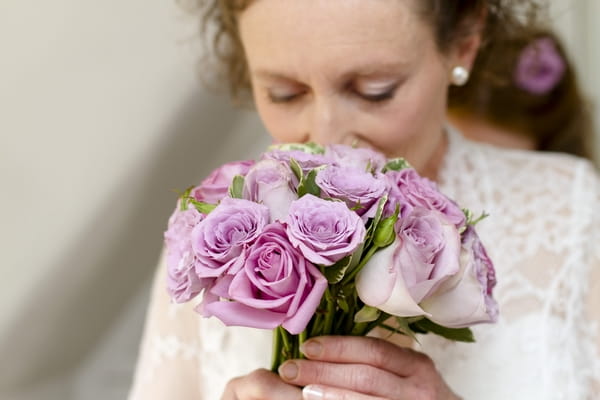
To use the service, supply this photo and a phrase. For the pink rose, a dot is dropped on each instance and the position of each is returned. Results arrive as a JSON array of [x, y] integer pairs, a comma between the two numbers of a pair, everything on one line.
[[424, 254], [360, 158], [324, 231], [221, 239], [359, 189], [409, 190], [276, 286], [466, 299], [182, 282], [307, 161], [216, 186], [269, 182]]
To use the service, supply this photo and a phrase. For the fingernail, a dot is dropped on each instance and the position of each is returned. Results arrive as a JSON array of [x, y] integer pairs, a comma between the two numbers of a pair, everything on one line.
[[289, 370], [312, 392], [312, 348]]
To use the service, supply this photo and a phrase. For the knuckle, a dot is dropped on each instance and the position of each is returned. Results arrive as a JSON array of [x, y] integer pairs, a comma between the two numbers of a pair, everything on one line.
[[379, 353], [257, 375], [254, 385], [425, 361]]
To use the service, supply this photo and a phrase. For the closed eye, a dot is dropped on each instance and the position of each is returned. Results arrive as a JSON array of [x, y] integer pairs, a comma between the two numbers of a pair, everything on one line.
[[378, 97], [375, 93], [283, 98]]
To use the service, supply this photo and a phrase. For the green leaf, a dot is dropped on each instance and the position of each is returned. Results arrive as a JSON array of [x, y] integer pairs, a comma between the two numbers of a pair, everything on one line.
[[396, 164], [404, 328], [356, 256], [342, 302], [185, 198], [237, 186], [335, 273], [367, 314], [296, 169], [308, 185], [456, 334], [380, 208], [471, 220], [311, 148], [357, 207], [376, 219], [204, 208]]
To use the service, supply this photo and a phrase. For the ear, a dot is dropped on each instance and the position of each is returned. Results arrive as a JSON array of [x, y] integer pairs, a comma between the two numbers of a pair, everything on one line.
[[464, 51]]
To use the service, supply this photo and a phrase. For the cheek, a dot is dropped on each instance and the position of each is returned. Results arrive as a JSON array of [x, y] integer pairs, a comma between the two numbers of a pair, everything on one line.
[[416, 115], [282, 126]]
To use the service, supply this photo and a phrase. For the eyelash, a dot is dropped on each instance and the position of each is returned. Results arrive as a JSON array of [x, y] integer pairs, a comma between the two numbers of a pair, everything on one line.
[[379, 97], [373, 98], [283, 99]]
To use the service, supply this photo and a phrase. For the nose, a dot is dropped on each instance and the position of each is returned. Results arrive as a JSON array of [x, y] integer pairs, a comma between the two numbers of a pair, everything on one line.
[[326, 121]]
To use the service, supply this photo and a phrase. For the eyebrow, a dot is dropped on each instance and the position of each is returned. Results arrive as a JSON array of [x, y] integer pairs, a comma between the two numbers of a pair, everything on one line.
[[361, 71]]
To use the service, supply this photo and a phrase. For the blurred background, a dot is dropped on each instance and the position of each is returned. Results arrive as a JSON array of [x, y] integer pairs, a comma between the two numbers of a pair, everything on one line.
[[102, 120]]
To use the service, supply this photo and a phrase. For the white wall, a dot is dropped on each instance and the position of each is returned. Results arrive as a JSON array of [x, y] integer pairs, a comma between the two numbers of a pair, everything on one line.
[[578, 24], [100, 117]]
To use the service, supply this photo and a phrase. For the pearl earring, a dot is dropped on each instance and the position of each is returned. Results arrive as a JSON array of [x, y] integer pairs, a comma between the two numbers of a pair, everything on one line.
[[460, 75]]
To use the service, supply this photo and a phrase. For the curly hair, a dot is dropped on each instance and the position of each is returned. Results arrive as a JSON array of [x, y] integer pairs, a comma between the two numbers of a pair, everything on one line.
[[557, 118], [450, 20]]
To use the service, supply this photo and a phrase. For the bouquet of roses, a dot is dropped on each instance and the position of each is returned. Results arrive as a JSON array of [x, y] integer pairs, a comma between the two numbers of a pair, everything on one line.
[[312, 240]]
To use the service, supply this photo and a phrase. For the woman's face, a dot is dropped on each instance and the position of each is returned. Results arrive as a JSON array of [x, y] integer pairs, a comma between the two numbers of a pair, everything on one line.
[[348, 71]]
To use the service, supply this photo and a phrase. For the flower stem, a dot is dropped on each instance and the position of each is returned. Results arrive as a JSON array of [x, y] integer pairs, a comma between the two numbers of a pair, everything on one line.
[[328, 325], [287, 344], [356, 270], [276, 356], [301, 339]]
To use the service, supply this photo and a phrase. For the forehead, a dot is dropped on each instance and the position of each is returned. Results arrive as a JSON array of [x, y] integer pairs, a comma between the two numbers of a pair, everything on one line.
[[297, 34]]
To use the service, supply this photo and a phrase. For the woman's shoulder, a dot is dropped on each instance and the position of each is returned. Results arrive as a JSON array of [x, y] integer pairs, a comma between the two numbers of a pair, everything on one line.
[[534, 170], [543, 193]]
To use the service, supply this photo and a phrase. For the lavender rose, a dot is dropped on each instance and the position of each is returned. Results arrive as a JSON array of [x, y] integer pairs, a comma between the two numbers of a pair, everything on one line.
[[220, 240], [466, 299], [216, 186], [182, 282], [277, 286], [363, 159], [324, 231], [409, 190], [424, 254], [269, 182], [359, 189], [307, 161]]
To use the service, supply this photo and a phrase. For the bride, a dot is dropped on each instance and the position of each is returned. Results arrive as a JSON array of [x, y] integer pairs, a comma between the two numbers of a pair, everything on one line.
[[377, 73]]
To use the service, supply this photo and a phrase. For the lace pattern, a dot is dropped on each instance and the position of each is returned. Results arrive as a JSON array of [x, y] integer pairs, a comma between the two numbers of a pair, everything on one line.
[[542, 234]]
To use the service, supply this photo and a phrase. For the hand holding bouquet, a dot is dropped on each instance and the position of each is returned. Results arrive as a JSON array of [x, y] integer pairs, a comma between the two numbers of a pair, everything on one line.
[[312, 241]]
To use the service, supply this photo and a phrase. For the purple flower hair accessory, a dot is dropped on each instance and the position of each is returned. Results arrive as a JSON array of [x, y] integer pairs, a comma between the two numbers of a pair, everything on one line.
[[540, 67]]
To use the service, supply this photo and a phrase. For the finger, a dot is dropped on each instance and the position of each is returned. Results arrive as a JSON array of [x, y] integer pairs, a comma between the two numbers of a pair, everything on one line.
[[359, 378], [319, 392], [260, 385], [379, 353]]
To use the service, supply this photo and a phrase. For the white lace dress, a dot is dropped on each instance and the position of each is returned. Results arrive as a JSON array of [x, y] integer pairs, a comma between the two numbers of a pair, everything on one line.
[[544, 236]]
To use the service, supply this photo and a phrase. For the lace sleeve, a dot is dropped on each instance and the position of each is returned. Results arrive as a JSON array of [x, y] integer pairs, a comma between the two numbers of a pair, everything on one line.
[[543, 235], [169, 353], [592, 181]]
